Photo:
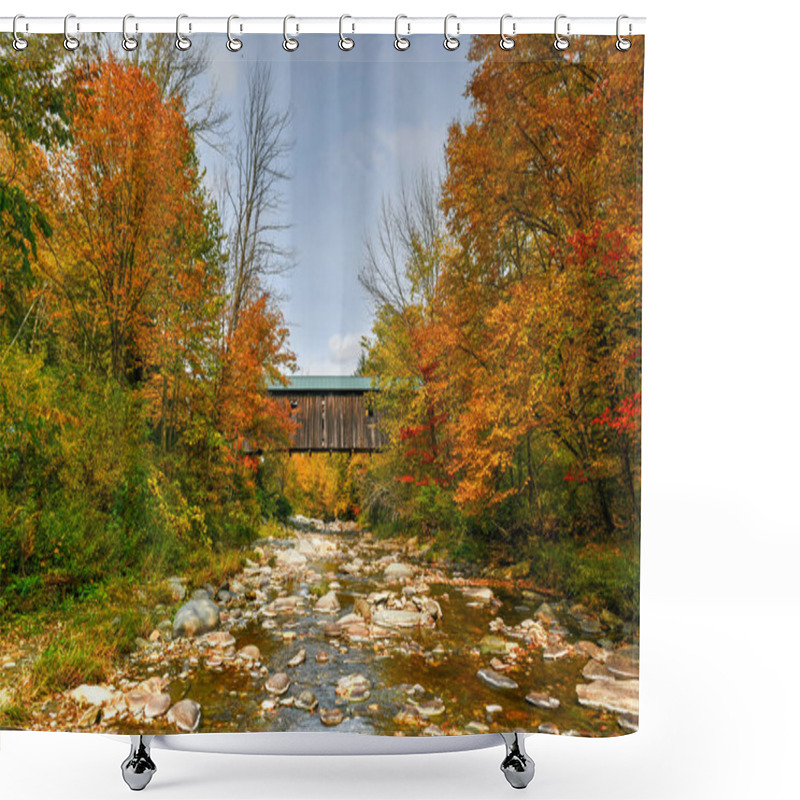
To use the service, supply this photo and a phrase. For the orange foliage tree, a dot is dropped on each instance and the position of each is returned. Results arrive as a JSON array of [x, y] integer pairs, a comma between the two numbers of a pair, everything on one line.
[[531, 342]]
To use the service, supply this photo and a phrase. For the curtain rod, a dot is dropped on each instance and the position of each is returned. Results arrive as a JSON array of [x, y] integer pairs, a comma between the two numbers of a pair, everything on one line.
[[463, 26]]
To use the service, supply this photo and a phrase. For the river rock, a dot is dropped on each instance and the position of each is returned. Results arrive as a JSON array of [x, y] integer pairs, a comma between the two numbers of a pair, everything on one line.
[[592, 650], [619, 696], [250, 652], [622, 665], [306, 700], [480, 594], [492, 644], [278, 684], [195, 618], [428, 704], [357, 632], [477, 727], [176, 587], [362, 608], [354, 688], [185, 715], [288, 604], [297, 659], [328, 604], [87, 695], [219, 640], [331, 717], [555, 652], [629, 722], [597, 671], [397, 572], [542, 700], [549, 727], [497, 681], [290, 559], [395, 618], [136, 700], [321, 657], [157, 705]]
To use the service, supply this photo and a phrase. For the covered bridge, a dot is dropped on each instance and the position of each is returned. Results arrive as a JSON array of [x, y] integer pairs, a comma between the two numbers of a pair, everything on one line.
[[332, 413]]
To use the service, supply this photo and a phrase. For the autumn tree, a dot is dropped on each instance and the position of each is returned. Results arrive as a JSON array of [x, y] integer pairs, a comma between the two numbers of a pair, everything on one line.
[[527, 344]]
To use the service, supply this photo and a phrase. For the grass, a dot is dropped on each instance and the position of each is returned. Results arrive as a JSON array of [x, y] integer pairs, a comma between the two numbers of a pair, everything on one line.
[[81, 639]]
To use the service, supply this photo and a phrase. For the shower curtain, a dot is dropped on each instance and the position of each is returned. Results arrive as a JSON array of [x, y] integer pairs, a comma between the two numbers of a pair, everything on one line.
[[320, 385]]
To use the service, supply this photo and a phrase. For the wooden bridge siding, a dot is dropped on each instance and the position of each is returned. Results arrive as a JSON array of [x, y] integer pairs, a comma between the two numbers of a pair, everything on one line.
[[333, 421]]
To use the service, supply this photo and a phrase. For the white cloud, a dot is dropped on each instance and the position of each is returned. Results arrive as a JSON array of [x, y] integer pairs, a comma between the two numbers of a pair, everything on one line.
[[344, 349]]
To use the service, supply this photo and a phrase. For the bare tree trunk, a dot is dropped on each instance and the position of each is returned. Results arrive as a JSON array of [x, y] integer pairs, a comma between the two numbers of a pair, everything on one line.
[[252, 197]]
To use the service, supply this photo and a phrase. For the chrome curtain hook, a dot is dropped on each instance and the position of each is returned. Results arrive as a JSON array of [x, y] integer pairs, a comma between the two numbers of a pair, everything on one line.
[[622, 43], [290, 44], [506, 42], [345, 42], [129, 42], [233, 44], [450, 42], [181, 42], [70, 42], [18, 43], [400, 42], [561, 43]]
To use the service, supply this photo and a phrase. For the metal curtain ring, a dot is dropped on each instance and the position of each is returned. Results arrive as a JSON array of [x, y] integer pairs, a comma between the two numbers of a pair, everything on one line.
[[18, 42], [233, 44], [345, 42], [129, 43], [290, 44], [622, 43], [400, 42], [506, 42], [561, 43], [70, 42], [450, 42], [181, 42]]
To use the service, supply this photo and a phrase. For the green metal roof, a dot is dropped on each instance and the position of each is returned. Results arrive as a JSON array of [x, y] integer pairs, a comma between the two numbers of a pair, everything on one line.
[[324, 383]]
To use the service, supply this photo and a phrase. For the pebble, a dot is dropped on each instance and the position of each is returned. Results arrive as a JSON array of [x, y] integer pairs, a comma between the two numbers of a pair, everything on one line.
[[542, 700], [298, 658], [321, 657], [549, 727], [250, 652], [219, 639], [497, 681], [278, 684], [331, 717], [481, 594], [354, 688], [306, 700]]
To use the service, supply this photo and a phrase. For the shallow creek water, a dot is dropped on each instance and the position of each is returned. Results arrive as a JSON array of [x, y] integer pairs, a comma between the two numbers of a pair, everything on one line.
[[444, 660]]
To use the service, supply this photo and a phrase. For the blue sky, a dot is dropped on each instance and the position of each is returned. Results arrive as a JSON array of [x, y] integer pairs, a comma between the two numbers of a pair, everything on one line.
[[362, 121]]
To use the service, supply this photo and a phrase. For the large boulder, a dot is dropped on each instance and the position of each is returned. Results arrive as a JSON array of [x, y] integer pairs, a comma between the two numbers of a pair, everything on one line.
[[195, 618]]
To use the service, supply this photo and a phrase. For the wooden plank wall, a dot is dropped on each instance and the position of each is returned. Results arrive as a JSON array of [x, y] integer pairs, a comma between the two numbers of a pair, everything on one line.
[[334, 421]]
